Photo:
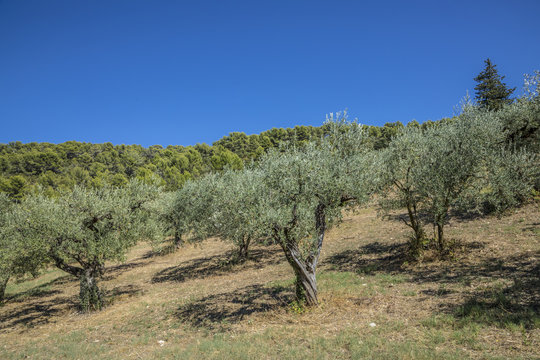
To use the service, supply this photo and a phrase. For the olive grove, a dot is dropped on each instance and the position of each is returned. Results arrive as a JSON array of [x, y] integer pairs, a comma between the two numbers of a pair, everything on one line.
[[477, 162], [456, 167]]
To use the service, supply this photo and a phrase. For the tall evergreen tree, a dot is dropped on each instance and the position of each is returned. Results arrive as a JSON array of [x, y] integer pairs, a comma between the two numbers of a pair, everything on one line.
[[491, 92]]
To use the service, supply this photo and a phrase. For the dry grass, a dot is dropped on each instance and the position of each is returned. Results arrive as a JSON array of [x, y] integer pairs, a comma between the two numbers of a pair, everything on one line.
[[484, 302]]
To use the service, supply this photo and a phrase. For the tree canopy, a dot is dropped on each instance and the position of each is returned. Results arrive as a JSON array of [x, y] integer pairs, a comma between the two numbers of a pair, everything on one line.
[[459, 166], [82, 229]]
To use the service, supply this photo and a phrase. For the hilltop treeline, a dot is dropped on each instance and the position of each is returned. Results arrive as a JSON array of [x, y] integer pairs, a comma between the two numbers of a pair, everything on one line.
[[56, 167]]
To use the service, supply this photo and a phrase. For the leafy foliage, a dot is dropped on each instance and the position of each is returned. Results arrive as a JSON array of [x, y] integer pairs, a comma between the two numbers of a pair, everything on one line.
[[521, 120], [87, 228], [17, 255], [56, 168], [235, 209], [223, 205], [303, 192], [464, 164]]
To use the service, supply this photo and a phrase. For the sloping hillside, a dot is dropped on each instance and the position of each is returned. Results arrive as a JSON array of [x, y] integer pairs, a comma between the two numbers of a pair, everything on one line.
[[484, 302]]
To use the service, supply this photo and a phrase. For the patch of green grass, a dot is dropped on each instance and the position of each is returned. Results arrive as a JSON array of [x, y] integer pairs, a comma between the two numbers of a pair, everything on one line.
[[344, 283], [71, 345], [449, 328], [368, 269], [353, 283], [409, 293], [512, 229], [281, 344], [436, 337], [439, 321], [467, 335], [388, 279]]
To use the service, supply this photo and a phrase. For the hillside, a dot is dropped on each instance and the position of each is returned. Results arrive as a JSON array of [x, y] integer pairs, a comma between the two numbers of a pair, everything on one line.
[[56, 167], [484, 302]]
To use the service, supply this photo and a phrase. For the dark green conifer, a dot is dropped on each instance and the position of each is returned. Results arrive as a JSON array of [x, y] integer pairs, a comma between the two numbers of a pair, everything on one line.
[[491, 92]]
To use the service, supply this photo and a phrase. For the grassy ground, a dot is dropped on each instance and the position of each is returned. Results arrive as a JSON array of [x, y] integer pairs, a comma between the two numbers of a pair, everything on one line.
[[482, 303]]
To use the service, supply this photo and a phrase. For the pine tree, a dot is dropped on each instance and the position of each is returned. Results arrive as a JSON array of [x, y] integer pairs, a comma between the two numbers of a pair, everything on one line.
[[491, 92]]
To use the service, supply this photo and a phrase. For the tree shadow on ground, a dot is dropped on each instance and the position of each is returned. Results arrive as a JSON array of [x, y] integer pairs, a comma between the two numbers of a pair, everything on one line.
[[44, 290], [114, 271], [515, 302], [492, 303], [40, 291], [40, 307], [374, 257], [403, 218], [533, 227], [218, 265], [36, 313], [119, 293], [219, 311], [163, 249]]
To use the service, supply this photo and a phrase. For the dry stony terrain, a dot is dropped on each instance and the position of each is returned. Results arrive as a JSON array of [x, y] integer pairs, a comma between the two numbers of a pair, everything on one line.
[[482, 302]]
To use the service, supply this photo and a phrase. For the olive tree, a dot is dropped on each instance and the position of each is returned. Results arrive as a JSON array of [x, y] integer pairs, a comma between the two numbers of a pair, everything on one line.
[[82, 229], [6, 253], [165, 215], [462, 165], [222, 205], [191, 209], [397, 167], [303, 192], [512, 176], [17, 256], [235, 209], [466, 160]]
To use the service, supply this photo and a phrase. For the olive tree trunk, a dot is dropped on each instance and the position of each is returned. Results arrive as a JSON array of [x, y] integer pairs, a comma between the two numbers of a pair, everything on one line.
[[3, 284], [440, 219], [306, 282], [440, 237], [305, 269], [178, 242], [90, 295], [414, 222], [243, 249]]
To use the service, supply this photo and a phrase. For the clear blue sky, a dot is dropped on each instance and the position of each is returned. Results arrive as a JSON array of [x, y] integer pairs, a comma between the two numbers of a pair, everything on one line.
[[183, 72]]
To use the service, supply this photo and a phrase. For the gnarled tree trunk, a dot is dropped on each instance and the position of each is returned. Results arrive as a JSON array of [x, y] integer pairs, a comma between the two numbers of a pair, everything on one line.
[[178, 240], [418, 237], [90, 295], [3, 284], [440, 237], [306, 283], [305, 270], [439, 223], [243, 249]]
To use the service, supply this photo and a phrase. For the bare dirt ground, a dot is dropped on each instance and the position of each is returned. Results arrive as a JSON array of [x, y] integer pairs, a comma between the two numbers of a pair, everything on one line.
[[481, 302]]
